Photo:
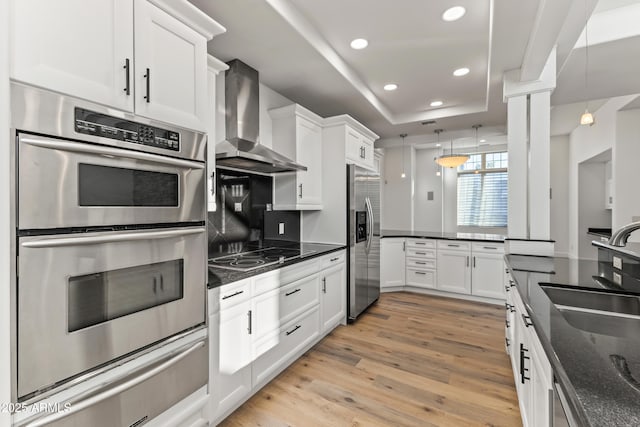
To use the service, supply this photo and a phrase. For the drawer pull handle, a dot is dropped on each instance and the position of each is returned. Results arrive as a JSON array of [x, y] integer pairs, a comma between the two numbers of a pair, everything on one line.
[[420, 243], [490, 247], [335, 259], [507, 341], [148, 78], [506, 322], [523, 370], [512, 283], [421, 253], [127, 85], [292, 292], [249, 329], [421, 273], [324, 285], [293, 330], [506, 288], [527, 320], [420, 262], [232, 295], [453, 246]]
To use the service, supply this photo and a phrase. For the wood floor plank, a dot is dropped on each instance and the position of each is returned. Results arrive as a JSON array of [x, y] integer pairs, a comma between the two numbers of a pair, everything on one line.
[[410, 360]]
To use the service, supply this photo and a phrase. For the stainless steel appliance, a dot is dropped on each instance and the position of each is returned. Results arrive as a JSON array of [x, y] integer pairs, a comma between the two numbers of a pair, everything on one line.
[[363, 231], [242, 149], [110, 240]]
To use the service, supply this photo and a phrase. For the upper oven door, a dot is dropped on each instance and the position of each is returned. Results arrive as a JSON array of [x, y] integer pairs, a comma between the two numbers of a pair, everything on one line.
[[64, 184], [85, 299]]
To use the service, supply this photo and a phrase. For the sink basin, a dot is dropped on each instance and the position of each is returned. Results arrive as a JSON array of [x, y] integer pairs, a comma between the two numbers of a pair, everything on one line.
[[598, 312], [581, 299]]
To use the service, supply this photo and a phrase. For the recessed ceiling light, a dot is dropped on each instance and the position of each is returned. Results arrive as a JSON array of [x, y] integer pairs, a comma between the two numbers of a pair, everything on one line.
[[390, 86], [438, 145], [483, 140], [453, 13], [436, 103], [359, 43], [461, 72]]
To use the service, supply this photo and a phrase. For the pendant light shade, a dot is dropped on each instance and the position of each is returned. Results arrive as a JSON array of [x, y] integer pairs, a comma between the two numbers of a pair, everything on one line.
[[586, 118], [451, 160], [403, 136]]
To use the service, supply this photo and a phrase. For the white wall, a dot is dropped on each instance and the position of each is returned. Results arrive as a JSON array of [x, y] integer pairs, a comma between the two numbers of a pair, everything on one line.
[[586, 142], [626, 173], [560, 194], [428, 213], [591, 206], [5, 208], [397, 209]]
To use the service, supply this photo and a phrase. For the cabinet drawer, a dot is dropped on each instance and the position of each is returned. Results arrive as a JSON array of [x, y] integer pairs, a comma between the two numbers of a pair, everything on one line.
[[488, 247], [273, 309], [421, 243], [421, 278], [332, 259], [421, 253], [421, 263], [281, 277], [282, 345], [232, 294], [454, 245]]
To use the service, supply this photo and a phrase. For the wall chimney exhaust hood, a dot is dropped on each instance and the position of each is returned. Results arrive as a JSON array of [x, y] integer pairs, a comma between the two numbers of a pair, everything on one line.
[[241, 149]]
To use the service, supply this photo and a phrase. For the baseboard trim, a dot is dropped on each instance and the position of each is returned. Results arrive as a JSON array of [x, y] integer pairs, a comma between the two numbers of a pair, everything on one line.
[[438, 293]]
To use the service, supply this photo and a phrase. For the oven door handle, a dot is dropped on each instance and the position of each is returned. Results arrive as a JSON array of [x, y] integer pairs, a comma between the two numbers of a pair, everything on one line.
[[80, 404], [109, 238], [109, 151]]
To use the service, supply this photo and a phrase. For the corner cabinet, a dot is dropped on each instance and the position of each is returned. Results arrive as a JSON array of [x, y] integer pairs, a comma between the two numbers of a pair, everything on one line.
[[147, 57], [357, 140], [297, 134]]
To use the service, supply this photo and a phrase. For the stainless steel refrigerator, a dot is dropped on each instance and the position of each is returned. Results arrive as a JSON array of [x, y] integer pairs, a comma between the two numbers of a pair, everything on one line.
[[363, 231]]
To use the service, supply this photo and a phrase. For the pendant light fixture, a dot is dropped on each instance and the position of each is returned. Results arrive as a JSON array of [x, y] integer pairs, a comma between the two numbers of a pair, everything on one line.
[[587, 117], [452, 160], [476, 127], [403, 136]]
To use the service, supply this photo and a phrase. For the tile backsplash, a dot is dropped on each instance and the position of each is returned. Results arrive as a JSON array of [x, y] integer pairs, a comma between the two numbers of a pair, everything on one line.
[[242, 199]]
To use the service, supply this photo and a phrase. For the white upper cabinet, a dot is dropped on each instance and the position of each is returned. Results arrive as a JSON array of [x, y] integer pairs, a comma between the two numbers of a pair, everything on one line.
[[171, 68], [357, 140], [87, 51], [297, 134], [213, 69], [75, 48]]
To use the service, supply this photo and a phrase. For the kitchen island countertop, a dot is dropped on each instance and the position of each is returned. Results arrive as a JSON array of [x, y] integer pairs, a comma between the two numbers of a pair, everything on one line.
[[442, 235], [583, 362]]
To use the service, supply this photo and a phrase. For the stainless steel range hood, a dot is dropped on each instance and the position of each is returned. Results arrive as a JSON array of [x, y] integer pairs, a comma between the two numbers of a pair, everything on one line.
[[241, 149]]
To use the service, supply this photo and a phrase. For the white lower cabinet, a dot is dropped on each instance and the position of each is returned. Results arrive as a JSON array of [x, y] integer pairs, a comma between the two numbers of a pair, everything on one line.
[[454, 267], [487, 270], [532, 370], [258, 326], [392, 262]]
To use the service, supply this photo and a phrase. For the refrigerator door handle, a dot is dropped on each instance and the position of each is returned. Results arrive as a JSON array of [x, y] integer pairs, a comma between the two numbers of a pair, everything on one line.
[[367, 202]]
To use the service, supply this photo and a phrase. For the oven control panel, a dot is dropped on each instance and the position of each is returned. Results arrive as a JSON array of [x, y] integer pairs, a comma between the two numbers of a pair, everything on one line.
[[98, 124]]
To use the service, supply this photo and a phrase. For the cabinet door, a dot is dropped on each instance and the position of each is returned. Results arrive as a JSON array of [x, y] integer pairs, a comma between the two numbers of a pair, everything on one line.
[[233, 379], [333, 294], [353, 146], [171, 69], [541, 392], [454, 272], [75, 48], [309, 154], [392, 263], [367, 153], [487, 275]]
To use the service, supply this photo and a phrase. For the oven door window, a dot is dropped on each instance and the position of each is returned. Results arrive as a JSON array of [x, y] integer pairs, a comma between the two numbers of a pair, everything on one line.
[[100, 297], [111, 186]]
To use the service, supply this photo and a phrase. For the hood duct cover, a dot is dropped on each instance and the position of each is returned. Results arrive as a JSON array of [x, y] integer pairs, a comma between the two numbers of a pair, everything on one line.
[[241, 149]]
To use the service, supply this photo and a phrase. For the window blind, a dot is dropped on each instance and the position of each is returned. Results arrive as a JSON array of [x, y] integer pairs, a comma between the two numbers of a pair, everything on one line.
[[482, 199]]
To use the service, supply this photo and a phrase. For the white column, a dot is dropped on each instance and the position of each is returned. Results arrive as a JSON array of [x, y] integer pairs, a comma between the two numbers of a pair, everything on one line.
[[540, 172], [518, 167]]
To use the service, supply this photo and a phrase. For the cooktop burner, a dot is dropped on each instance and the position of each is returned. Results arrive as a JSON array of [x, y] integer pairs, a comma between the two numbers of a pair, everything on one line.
[[247, 261]]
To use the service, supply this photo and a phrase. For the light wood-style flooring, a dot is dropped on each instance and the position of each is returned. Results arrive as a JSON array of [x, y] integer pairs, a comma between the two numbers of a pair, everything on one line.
[[410, 360]]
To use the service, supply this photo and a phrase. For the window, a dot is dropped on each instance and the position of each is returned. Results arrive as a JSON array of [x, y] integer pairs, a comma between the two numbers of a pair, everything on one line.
[[482, 190]]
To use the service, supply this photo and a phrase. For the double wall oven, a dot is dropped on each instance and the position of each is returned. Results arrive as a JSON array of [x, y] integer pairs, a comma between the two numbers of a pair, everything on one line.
[[110, 243]]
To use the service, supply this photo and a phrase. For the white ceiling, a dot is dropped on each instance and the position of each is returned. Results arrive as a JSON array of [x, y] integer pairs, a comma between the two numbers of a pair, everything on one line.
[[301, 49]]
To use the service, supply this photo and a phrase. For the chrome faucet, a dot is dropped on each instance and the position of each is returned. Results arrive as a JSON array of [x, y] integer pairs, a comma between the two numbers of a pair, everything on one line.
[[619, 237]]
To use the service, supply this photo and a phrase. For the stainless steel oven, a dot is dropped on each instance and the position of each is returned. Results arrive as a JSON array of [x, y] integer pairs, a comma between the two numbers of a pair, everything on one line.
[[110, 238]]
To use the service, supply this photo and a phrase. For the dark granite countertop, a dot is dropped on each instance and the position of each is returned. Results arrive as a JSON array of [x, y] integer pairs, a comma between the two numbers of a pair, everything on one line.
[[600, 232], [220, 276], [631, 249], [480, 237], [582, 361]]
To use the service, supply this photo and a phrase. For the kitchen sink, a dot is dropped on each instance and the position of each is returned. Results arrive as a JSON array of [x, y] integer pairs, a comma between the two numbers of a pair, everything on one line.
[[598, 312]]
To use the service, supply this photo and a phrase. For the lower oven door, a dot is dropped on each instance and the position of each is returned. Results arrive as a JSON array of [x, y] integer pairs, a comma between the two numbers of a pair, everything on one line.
[[87, 299]]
